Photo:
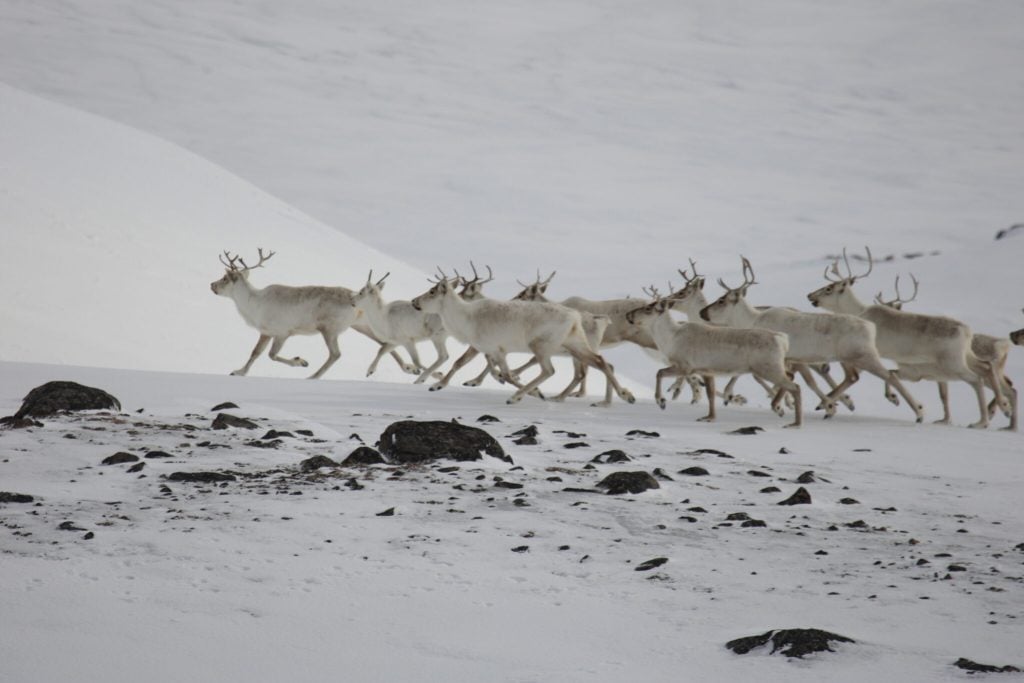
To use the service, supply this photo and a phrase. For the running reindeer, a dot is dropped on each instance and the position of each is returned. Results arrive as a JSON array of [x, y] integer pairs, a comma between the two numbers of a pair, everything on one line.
[[279, 312], [993, 350], [814, 338], [929, 346]]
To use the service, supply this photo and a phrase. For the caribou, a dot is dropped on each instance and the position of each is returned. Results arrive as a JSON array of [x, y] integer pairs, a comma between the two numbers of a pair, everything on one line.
[[813, 338], [497, 328], [707, 350], [988, 348], [399, 324], [280, 311], [938, 347]]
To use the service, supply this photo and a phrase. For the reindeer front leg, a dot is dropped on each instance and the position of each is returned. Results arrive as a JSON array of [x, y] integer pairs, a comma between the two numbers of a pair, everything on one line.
[[709, 385], [261, 344], [275, 349]]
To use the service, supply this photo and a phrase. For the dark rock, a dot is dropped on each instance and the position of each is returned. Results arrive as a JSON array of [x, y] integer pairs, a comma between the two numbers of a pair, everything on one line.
[[10, 497], [956, 568], [304, 432], [753, 522], [806, 478], [1015, 229], [316, 462], [573, 489], [738, 517], [857, 524], [157, 454], [507, 485], [201, 477], [390, 512], [662, 475], [571, 435], [771, 489], [618, 483], [694, 471], [650, 564], [576, 444], [137, 467], [526, 441], [69, 526], [119, 458], [612, 456], [640, 432], [487, 418], [54, 397], [274, 434], [849, 501], [413, 441], [227, 405], [758, 473], [264, 444], [747, 431], [526, 431], [354, 484], [783, 451], [799, 497], [11, 422], [364, 455], [968, 665], [88, 536], [709, 451], [225, 420], [521, 549], [795, 642]]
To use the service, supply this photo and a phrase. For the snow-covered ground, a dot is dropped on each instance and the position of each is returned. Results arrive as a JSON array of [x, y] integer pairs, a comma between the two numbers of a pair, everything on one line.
[[612, 142], [288, 576]]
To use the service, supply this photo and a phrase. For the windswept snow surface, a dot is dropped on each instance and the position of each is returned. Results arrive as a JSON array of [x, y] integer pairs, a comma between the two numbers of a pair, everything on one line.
[[282, 576]]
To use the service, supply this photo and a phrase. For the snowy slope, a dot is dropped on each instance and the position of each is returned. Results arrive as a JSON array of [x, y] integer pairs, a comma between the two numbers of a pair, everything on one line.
[[111, 239]]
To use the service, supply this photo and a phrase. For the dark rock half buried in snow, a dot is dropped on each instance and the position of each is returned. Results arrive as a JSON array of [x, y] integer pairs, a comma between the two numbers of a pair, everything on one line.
[[201, 477], [54, 397], [975, 667], [225, 420], [316, 462], [791, 642], [364, 455], [413, 441], [11, 497], [618, 483]]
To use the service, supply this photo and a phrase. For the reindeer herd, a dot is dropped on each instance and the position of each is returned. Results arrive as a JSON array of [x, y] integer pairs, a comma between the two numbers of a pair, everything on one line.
[[726, 337]]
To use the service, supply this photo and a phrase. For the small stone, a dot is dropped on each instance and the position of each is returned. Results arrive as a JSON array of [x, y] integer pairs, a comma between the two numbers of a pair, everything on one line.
[[88, 536], [201, 477], [650, 564], [783, 451], [738, 517], [354, 484], [800, 497], [618, 483], [507, 485], [225, 420], [363, 455], [157, 455], [526, 441], [316, 462], [304, 432], [390, 512], [521, 549], [274, 434], [968, 665], [640, 432], [694, 471], [119, 458], [795, 642], [806, 478], [662, 475], [487, 419], [137, 467], [11, 497], [747, 431], [771, 489], [69, 526], [956, 568], [576, 444], [758, 473], [531, 430], [754, 523], [227, 405], [849, 501]]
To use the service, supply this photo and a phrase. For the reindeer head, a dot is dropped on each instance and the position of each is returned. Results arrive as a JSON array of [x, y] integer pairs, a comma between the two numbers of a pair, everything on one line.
[[534, 292], [725, 308], [648, 312], [236, 272], [371, 290], [443, 287], [473, 289], [898, 302], [839, 290]]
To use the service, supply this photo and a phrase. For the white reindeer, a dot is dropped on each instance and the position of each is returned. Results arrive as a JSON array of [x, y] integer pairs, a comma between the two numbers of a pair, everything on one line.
[[279, 312], [707, 350], [399, 324], [813, 338], [993, 350], [939, 348], [497, 328]]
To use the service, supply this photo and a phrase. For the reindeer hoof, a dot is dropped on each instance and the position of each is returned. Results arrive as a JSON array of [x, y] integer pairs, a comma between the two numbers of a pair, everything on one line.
[[978, 425], [300, 362], [661, 403], [600, 404], [893, 399], [513, 400], [706, 418], [628, 396], [436, 387], [792, 425], [238, 373]]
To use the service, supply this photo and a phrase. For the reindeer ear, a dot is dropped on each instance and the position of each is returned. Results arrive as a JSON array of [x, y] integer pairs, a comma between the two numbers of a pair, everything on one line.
[[700, 283]]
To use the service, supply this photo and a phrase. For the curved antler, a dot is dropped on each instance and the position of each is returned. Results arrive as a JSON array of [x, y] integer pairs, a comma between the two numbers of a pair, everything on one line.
[[687, 278], [834, 269]]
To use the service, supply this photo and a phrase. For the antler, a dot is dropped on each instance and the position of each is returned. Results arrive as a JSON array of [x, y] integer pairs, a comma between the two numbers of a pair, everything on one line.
[[849, 271], [687, 278], [652, 292], [834, 269], [545, 283], [263, 259], [898, 302], [231, 263], [747, 269]]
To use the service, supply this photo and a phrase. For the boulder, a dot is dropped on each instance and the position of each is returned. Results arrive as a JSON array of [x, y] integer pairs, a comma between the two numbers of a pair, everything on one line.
[[790, 642], [618, 483], [364, 455], [412, 441], [54, 397]]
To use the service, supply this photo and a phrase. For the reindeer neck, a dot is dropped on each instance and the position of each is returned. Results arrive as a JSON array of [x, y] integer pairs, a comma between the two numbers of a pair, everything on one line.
[[850, 304]]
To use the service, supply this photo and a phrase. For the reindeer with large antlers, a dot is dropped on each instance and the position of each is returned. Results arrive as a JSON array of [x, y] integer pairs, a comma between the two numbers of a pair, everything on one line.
[[279, 312], [993, 350], [497, 328], [399, 324], [939, 347], [813, 338]]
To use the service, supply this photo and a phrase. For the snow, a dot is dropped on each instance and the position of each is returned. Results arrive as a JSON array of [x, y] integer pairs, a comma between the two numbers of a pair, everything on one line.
[[610, 142]]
